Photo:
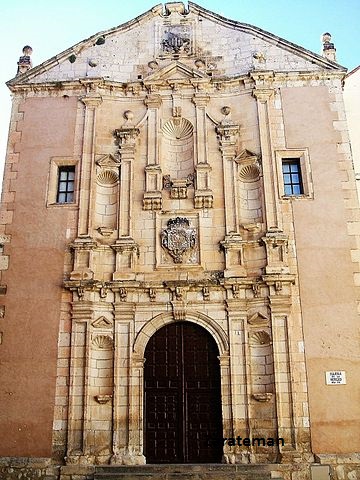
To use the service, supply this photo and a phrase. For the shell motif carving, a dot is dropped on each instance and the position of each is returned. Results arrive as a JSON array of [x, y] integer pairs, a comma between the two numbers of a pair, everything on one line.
[[249, 173], [178, 129], [102, 342], [259, 339], [107, 177]]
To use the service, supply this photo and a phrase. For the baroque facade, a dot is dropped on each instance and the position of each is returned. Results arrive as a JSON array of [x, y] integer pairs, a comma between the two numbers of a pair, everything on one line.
[[180, 262]]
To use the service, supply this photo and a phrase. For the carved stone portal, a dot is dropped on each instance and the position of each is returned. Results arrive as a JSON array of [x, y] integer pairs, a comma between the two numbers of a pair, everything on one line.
[[178, 238]]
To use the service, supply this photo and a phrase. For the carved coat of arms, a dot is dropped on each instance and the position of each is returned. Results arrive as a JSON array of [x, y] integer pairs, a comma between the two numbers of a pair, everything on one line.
[[176, 42], [178, 238]]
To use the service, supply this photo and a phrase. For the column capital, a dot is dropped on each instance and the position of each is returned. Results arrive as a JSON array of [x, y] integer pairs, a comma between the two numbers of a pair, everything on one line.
[[92, 101], [263, 94], [227, 133], [153, 100], [200, 99], [126, 136]]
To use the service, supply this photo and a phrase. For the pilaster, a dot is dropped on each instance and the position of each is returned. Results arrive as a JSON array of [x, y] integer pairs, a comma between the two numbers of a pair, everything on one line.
[[125, 246], [203, 194], [227, 136], [124, 333], [91, 103], [239, 364], [280, 309], [272, 209], [153, 176]]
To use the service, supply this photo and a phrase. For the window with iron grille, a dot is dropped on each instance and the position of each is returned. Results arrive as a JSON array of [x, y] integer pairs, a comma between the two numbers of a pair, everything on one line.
[[65, 190], [292, 176]]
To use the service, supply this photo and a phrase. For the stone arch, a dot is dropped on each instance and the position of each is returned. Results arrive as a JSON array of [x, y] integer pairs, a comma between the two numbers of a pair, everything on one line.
[[163, 319]]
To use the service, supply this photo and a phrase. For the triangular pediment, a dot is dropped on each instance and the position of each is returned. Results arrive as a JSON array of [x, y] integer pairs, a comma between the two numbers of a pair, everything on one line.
[[106, 161], [102, 322], [246, 155], [258, 319], [175, 71]]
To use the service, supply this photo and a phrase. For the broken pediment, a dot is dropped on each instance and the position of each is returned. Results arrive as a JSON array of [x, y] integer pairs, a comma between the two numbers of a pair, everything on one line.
[[245, 156], [102, 322], [106, 161], [258, 319]]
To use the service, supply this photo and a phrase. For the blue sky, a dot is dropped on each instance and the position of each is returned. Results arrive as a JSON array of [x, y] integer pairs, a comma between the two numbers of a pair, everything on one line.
[[53, 26]]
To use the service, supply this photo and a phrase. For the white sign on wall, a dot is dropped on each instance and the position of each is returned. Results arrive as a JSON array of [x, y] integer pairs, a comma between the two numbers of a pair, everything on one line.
[[335, 378]]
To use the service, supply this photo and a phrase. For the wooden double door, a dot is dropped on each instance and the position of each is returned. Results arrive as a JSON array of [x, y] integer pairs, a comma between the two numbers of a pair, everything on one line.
[[182, 417]]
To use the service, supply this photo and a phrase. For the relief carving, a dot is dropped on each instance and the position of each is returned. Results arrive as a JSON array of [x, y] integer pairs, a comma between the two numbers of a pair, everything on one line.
[[178, 238], [176, 40]]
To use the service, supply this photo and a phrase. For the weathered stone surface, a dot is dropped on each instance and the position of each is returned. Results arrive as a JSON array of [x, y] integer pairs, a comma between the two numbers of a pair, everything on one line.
[[180, 213]]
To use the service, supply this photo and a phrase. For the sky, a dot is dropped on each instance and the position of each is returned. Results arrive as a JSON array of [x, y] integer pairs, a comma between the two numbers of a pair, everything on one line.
[[51, 27]]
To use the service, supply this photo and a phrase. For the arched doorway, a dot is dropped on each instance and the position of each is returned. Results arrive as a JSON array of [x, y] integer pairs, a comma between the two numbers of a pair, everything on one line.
[[182, 404]]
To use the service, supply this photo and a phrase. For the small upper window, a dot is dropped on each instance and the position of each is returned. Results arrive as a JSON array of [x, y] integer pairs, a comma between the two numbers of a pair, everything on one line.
[[65, 190], [292, 176]]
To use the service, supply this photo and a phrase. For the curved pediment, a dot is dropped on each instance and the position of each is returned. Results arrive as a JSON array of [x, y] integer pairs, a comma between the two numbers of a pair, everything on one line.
[[171, 42]]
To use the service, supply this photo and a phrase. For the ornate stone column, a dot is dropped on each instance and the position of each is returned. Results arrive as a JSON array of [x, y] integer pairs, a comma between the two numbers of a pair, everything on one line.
[[272, 210], [203, 194], [153, 175], [125, 246]]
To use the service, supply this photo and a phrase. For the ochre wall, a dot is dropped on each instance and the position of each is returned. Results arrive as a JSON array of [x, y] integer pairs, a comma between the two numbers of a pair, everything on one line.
[[328, 294], [29, 349]]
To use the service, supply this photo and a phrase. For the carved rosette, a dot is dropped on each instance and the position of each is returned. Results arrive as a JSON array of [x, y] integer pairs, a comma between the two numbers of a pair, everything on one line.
[[178, 238]]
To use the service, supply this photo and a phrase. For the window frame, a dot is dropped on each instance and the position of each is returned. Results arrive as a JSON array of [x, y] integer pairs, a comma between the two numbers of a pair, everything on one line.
[[65, 183], [291, 173], [302, 157], [56, 163]]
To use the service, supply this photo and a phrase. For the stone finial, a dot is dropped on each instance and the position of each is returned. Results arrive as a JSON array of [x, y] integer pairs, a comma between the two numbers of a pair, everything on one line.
[[24, 63], [328, 50]]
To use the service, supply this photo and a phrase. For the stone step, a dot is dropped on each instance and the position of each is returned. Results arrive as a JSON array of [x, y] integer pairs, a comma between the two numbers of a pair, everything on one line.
[[183, 472]]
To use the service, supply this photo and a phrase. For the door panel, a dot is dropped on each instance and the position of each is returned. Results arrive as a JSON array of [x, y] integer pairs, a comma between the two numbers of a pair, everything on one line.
[[182, 396]]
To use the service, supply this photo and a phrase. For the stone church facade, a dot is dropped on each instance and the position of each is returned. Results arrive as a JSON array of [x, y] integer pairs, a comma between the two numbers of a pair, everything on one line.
[[180, 262]]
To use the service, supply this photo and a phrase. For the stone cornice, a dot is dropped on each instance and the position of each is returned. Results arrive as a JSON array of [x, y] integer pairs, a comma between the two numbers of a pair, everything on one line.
[[214, 86]]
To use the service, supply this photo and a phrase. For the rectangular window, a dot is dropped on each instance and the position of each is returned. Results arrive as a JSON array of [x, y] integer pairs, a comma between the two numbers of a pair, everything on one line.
[[65, 190], [292, 176]]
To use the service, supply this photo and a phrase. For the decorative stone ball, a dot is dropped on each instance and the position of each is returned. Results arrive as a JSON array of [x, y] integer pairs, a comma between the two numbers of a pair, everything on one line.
[[326, 37], [27, 50], [199, 63], [129, 115], [153, 64], [226, 110]]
